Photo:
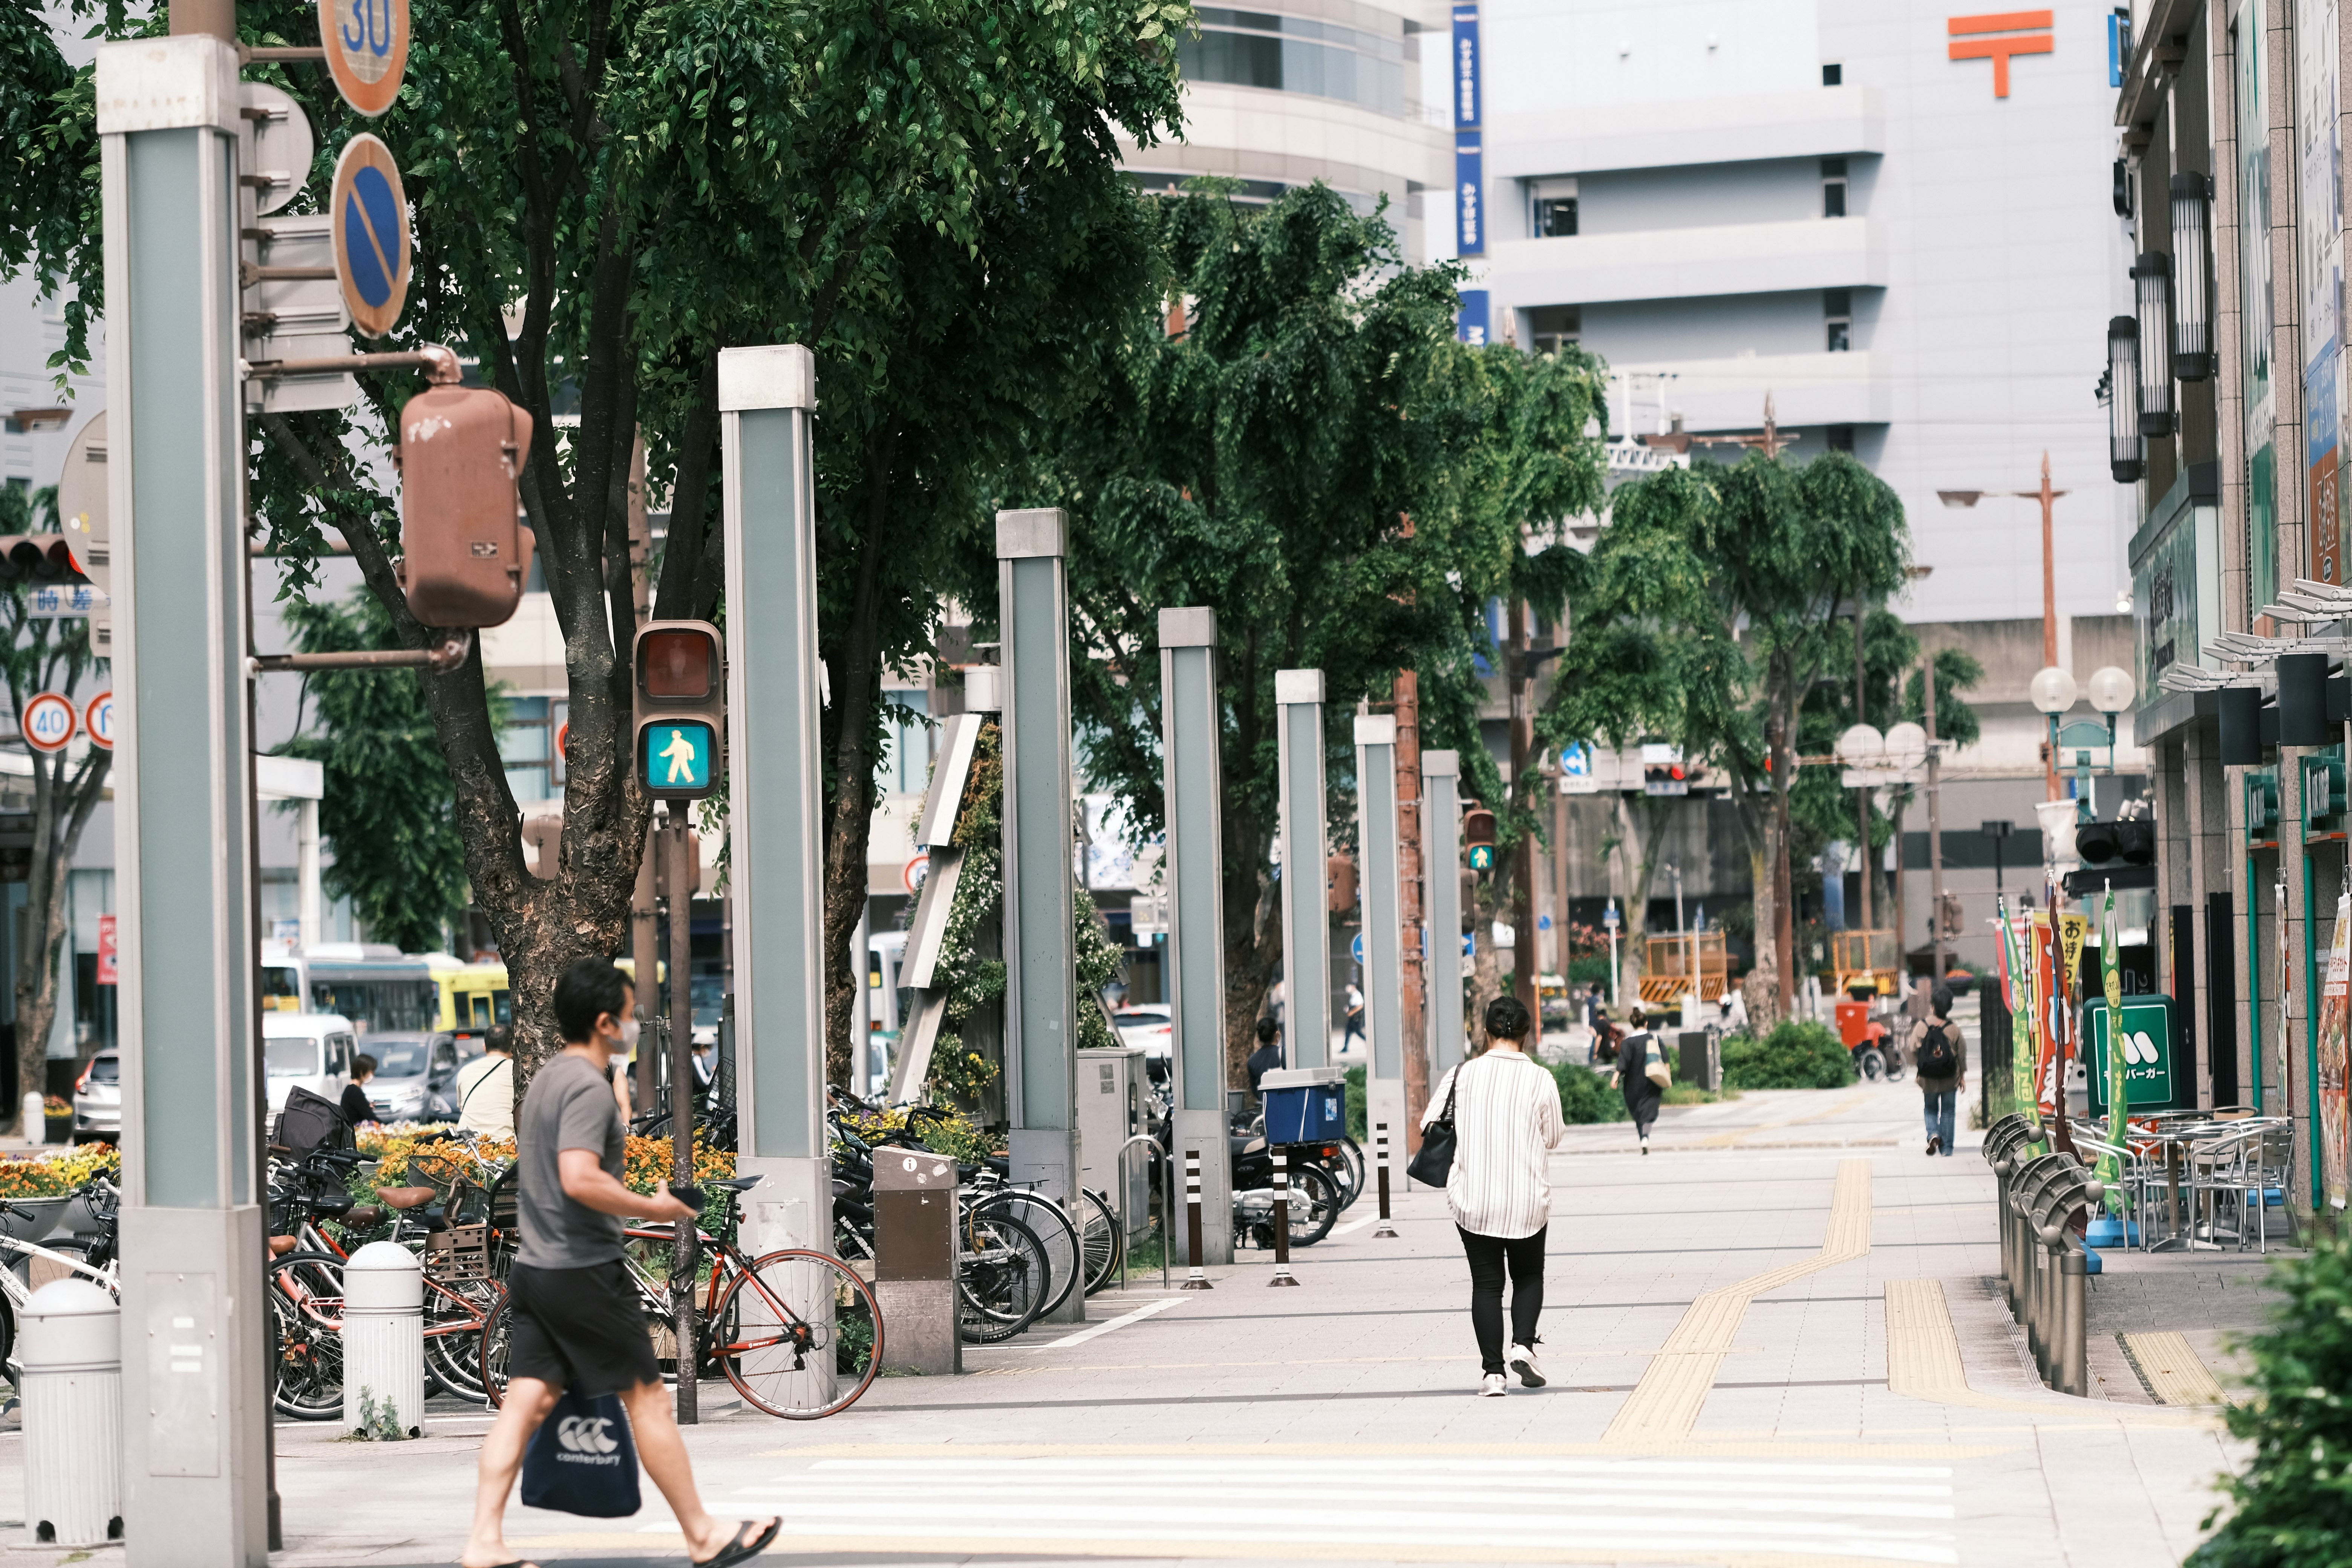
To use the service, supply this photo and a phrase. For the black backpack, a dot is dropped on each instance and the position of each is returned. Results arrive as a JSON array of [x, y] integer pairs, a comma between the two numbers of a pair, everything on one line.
[[1937, 1056]]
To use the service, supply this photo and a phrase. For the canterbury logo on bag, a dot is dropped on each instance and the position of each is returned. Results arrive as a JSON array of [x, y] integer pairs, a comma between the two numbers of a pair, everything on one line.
[[587, 1436]]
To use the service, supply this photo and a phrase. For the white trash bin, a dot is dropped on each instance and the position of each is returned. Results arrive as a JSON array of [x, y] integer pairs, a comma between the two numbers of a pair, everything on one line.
[[383, 1337], [72, 1352]]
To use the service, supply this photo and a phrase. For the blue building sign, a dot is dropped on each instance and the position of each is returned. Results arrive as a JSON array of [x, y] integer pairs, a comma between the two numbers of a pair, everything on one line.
[[1470, 324], [1469, 161]]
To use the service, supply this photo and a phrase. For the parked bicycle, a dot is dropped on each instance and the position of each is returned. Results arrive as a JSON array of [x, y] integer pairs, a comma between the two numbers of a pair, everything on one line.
[[93, 1260]]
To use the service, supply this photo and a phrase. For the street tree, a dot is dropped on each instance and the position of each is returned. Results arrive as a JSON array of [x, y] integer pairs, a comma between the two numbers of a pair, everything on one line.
[[46, 655], [604, 196], [1293, 438], [389, 813]]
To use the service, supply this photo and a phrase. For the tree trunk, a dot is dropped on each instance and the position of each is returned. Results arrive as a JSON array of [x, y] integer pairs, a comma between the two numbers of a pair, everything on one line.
[[1783, 898], [1761, 987], [1525, 795], [1485, 980]]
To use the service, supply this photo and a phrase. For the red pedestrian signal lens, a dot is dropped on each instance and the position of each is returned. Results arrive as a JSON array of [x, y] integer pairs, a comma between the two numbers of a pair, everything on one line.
[[676, 664]]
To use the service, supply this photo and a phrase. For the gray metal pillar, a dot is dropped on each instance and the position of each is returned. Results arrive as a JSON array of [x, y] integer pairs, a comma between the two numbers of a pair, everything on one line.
[[1190, 741], [1376, 841], [1040, 1011], [1440, 815], [1305, 853], [775, 786], [194, 1399]]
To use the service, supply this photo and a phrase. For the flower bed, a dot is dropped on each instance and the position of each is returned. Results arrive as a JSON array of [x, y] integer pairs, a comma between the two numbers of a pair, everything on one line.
[[54, 1175]]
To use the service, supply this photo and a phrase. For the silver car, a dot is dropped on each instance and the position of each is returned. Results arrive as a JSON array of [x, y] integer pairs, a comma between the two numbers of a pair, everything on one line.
[[97, 1097]]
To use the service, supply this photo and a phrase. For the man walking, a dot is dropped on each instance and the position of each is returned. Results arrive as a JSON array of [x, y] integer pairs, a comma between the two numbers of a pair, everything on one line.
[[1507, 1123], [1939, 1057], [577, 1323]]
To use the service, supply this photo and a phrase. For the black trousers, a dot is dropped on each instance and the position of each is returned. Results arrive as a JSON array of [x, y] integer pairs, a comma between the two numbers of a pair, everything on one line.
[[1488, 1256]]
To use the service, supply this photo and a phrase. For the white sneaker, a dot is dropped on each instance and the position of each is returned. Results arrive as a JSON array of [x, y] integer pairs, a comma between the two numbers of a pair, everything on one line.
[[1524, 1363], [1494, 1386]]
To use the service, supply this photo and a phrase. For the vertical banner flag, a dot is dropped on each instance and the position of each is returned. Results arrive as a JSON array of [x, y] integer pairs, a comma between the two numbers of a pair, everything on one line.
[[2334, 1107], [2110, 950], [2319, 270], [1469, 176], [2049, 1089]]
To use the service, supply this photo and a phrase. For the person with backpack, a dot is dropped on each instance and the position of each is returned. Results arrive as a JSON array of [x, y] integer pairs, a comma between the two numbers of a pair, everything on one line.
[[1641, 1074], [1940, 1060], [1497, 1116]]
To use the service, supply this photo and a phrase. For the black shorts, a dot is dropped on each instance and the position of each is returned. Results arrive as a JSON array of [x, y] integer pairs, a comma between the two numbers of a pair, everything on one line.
[[582, 1329]]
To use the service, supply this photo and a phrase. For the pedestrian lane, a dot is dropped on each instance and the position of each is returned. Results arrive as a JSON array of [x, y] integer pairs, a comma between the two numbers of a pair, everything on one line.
[[1534, 1509]]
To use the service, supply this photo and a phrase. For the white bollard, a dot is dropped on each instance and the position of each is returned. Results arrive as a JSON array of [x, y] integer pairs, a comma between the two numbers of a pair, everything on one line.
[[383, 1339], [73, 1415], [33, 1119]]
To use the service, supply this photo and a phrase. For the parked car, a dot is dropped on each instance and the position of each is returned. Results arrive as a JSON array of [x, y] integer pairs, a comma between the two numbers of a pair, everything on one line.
[[415, 1075], [97, 1098], [1149, 1025], [313, 1050]]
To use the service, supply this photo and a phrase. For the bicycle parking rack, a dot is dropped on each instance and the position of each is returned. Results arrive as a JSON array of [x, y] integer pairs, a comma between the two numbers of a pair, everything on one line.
[[2045, 1272]]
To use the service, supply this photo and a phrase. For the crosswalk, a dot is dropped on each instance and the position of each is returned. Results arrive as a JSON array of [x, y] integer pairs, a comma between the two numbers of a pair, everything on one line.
[[1540, 1507]]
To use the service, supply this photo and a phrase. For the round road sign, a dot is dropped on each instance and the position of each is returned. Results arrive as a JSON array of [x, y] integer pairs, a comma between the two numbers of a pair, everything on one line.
[[367, 50], [48, 722], [98, 721], [563, 740], [370, 228], [917, 870]]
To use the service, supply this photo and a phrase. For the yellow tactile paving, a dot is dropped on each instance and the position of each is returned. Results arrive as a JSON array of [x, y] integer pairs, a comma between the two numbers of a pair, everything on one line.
[[1923, 1361], [1666, 1406], [2175, 1373]]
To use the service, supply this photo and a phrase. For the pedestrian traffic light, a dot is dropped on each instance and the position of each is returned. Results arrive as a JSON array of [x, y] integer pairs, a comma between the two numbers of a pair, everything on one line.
[[1479, 838], [1663, 772], [681, 709], [39, 558], [464, 552]]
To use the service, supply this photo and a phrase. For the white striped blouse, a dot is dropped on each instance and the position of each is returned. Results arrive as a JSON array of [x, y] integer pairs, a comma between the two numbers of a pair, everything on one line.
[[1507, 1121]]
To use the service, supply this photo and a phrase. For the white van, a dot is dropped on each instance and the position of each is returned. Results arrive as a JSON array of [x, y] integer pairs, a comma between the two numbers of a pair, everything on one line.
[[311, 1049]]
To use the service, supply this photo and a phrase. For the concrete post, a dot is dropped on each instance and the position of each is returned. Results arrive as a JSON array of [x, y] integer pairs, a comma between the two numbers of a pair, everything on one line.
[[1305, 852], [1191, 743], [1040, 1011], [914, 1261], [1376, 841], [194, 1456], [775, 773], [1441, 814]]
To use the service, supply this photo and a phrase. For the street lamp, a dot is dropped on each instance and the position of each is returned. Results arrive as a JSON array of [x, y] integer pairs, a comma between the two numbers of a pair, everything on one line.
[[2124, 457], [2193, 277], [2152, 294], [2053, 691], [2111, 690]]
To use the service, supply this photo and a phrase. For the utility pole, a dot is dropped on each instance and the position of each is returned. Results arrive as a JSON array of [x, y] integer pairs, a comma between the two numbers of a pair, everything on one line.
[[1522, 676], [1413, 974], [2045, 495], [1861, 796], [643, 950], [1934, 830]]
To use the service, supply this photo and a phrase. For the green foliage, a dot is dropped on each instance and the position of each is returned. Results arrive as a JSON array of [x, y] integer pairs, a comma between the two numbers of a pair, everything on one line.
[[1894, 691], [1586, 1095], [389, 811], [1795, 1055], [1583, 972], [1358, 1116], [2293, 1506]]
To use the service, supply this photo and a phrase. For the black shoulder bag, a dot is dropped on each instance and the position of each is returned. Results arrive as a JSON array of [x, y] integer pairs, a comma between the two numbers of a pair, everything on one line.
[[1434, 1162]]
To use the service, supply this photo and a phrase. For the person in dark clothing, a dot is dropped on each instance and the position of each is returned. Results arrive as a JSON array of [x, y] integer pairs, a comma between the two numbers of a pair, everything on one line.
[[1268, 1055], [357, 1108], [1634, 1081], [1939, 1057]]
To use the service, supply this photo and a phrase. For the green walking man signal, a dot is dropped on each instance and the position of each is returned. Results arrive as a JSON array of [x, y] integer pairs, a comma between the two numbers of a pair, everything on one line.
[[681, 710]]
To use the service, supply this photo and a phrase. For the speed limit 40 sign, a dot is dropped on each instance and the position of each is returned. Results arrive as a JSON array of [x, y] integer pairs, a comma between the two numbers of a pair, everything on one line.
[[49, 722]]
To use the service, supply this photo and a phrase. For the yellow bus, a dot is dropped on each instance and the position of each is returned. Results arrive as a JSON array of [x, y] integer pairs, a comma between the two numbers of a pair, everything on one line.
[[474, 997]]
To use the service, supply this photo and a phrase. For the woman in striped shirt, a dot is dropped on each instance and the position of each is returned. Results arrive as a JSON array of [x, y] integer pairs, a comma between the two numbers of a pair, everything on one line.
[[1507, 1121]]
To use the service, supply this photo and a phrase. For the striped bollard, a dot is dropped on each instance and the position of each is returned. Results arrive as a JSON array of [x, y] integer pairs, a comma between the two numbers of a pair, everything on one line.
[[1381, 1152], [1198, 1280], [1282, 1220]]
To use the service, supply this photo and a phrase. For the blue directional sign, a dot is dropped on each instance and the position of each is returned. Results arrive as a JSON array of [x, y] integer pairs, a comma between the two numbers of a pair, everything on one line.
[[1356, 948], [676, 757]]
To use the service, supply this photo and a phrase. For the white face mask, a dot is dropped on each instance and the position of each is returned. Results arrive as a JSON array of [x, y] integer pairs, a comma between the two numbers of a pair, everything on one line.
[[629, 1027]]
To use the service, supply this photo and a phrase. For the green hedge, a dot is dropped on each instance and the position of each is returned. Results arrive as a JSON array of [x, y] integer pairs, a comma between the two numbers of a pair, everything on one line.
[[1586, 1095], [1583, 972], [1793, 1055], [2292, 1508]]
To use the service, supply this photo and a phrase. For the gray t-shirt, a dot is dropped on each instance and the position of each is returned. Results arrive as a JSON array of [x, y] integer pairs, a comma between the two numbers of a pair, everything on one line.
[[568, 1106]]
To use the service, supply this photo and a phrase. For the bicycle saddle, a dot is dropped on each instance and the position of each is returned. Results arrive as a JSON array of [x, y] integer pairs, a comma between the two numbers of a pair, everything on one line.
[[365, 1218], [404, 1197], [735, 1184]]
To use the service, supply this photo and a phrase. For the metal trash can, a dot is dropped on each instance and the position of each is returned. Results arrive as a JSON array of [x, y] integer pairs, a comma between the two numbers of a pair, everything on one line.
[[73, 1353], [383, 1339]]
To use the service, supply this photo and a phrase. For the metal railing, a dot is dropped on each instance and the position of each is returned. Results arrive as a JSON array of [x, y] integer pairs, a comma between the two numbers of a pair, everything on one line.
[[1167, 1206], [2044, 1269]]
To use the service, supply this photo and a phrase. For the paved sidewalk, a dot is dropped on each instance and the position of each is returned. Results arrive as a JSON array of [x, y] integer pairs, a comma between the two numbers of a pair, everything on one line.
[[1772, 1341]]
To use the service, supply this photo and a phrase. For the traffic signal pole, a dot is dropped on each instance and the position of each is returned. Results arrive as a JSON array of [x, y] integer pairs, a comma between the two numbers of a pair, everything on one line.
[[195, 1406], [1040, 1011], [1193, 780], [1441, 827], [775, 769], [1376, 840], [1306, 848]]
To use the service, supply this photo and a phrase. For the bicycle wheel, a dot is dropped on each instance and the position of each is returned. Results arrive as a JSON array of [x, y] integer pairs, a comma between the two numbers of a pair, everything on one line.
[[306, 1297], [1103, 1237], [1314, 1205], [455, 1314], [1352, 1179], [999, 1277], [799, 1334], [1065, 1253], [496, 1333]]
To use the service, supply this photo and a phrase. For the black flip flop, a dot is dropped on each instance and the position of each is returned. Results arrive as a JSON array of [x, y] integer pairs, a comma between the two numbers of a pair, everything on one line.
[[739, 1549]]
